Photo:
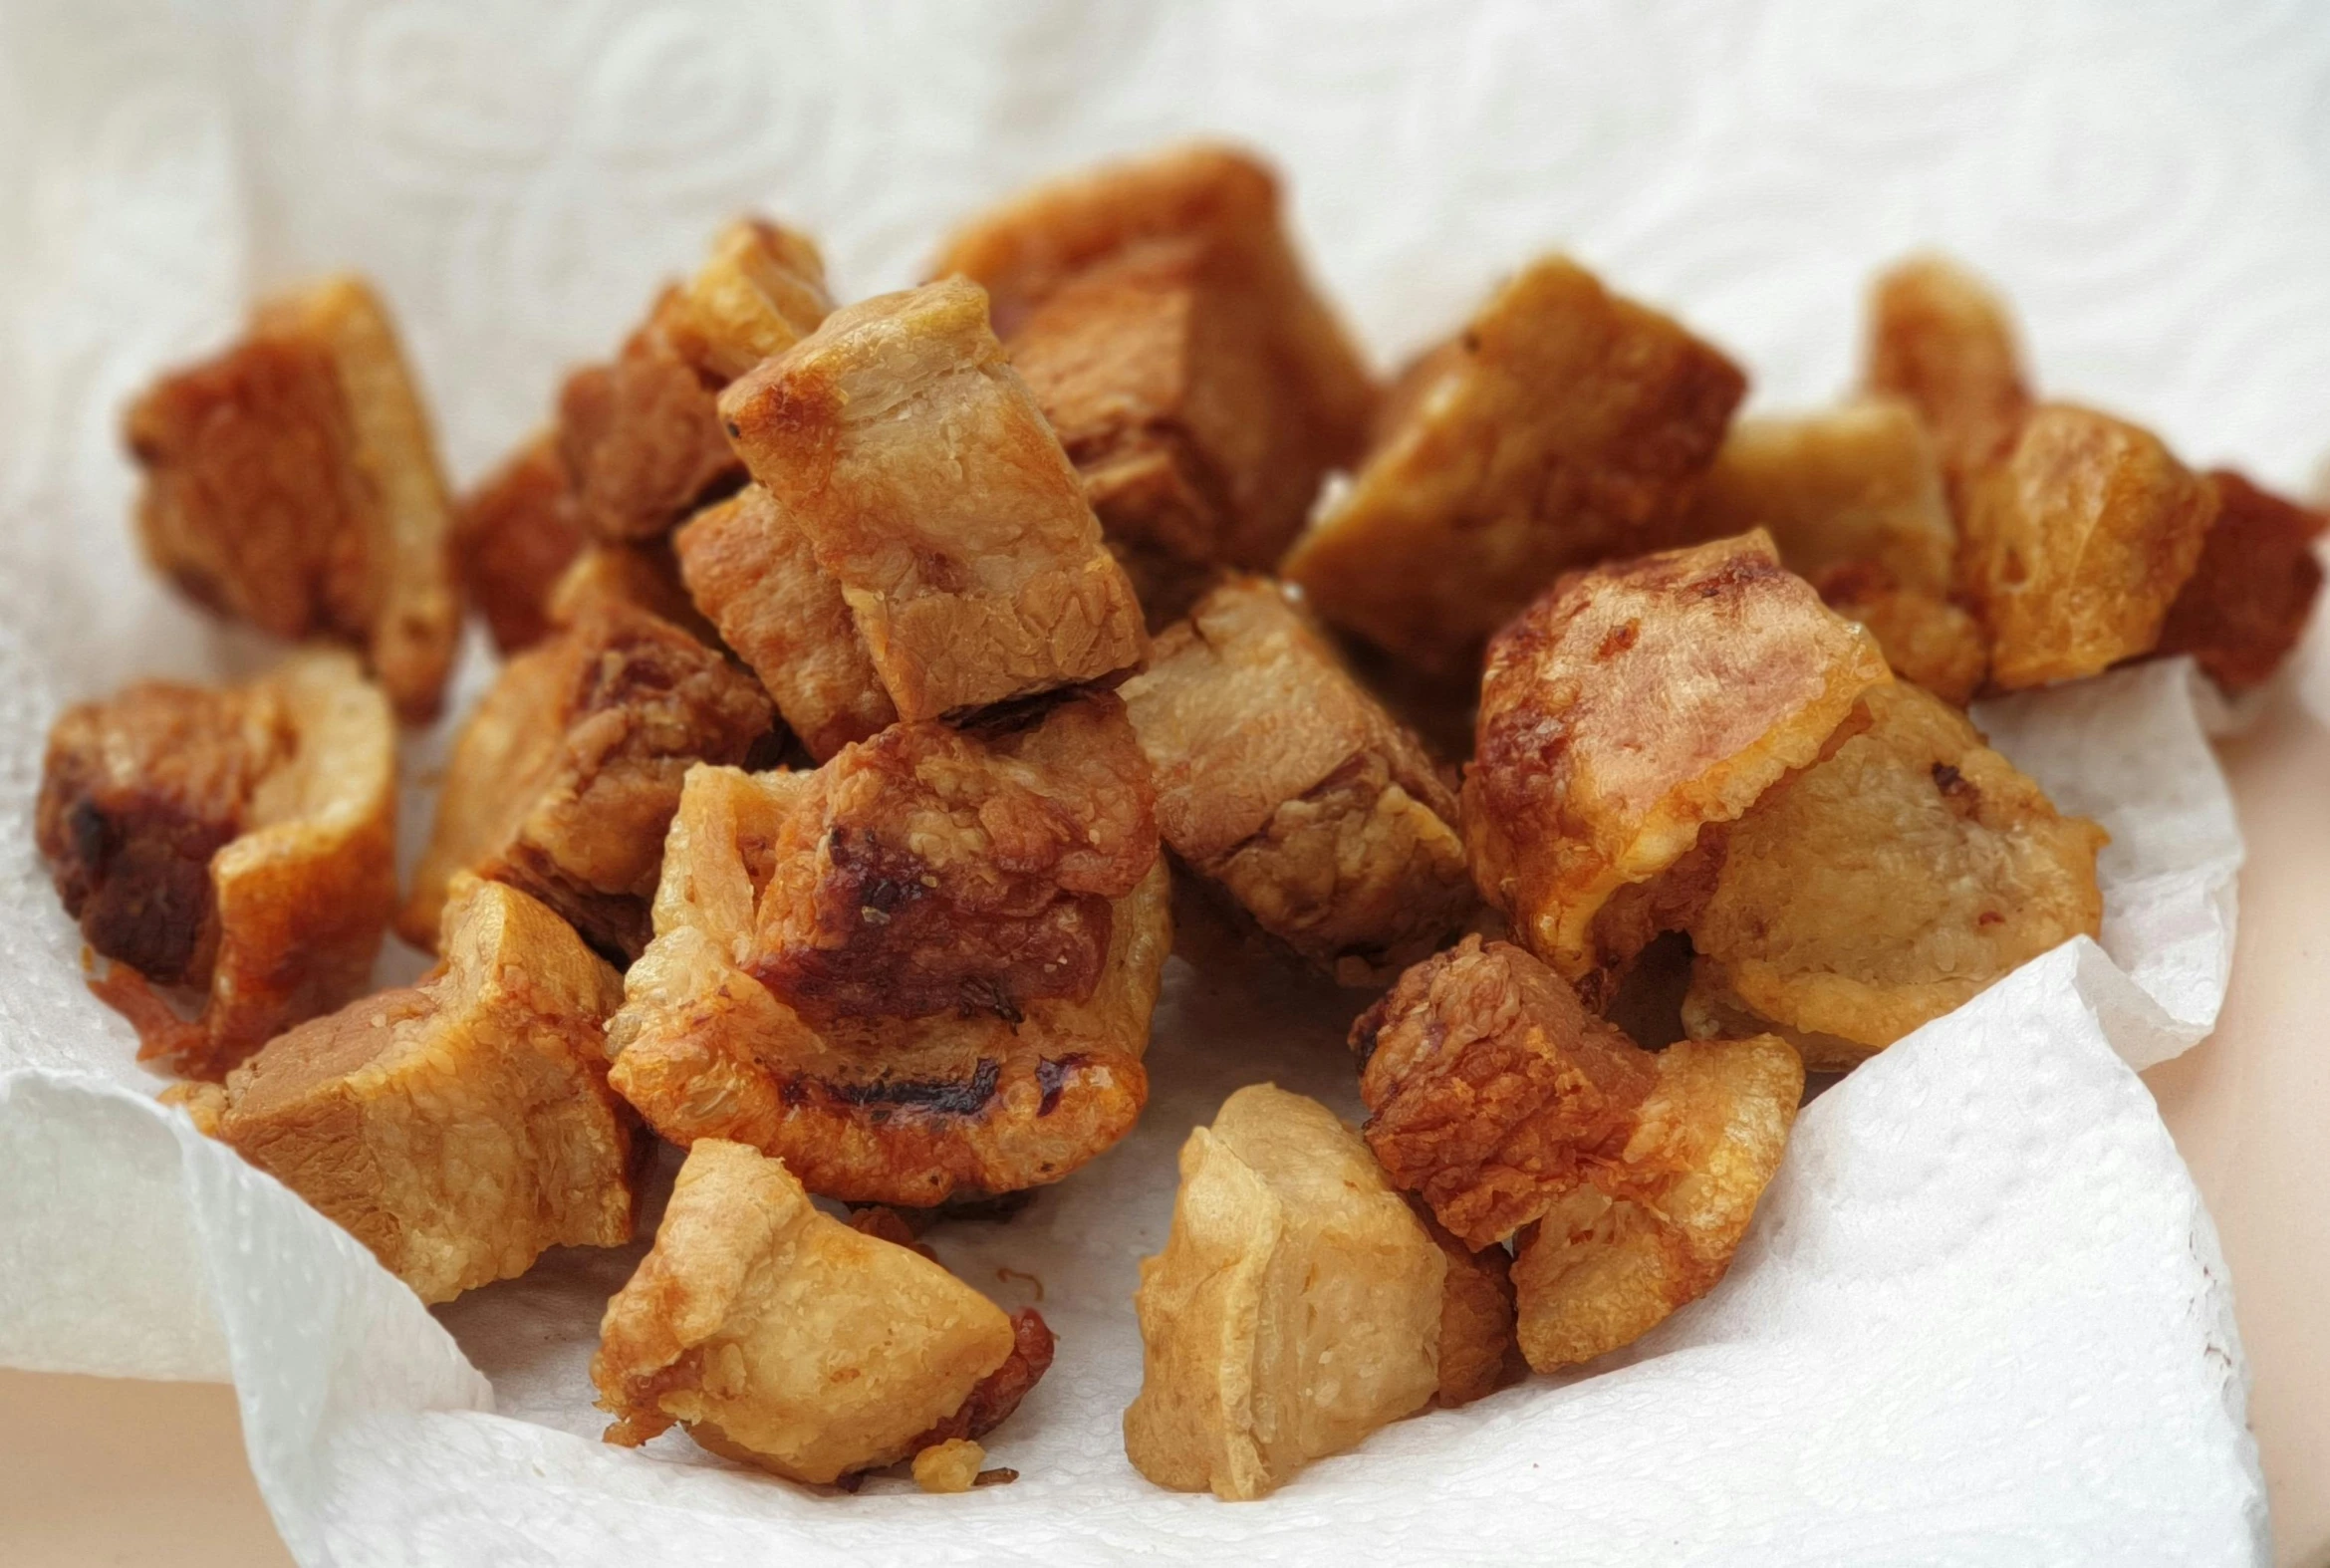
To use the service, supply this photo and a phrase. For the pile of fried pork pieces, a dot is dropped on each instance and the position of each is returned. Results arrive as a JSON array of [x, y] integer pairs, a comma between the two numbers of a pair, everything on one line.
[[868, 666]]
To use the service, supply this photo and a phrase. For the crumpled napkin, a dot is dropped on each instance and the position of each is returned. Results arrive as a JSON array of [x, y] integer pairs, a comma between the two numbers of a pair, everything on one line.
[[1980, 1316]]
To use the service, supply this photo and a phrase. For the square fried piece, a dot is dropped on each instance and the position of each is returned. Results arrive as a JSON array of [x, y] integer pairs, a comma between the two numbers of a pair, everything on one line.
[[1942, 342], [291, 483], [1564, 427], [1629, 1176], [1628, 710], [932, 490], [239, 843], [871, 1107], [513, 535], [782, 1338], [1161, 317], [1886, 884], [2077, 543], [460, 1127], [640, 434], [2241, 611], [753, 573], [1296, 1306], [1290, 786], [567, 773]]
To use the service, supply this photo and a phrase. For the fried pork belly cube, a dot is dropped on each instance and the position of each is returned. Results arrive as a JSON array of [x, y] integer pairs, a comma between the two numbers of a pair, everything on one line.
[[2077, 544], [1626, 715], [782, 1338], [1479, 1354], [910, 894], [1886, 884], [1564, 427], [753, 573], [640, 434], [1163, 321], [1629, 1176], [2241, 611], [513, 535], [645, 577], [1296, 1306], [1941, 341], [460, 1127], [239, 843], [1283, 781], [292, 482], [1926, 639], [932, 489], [566, 775]]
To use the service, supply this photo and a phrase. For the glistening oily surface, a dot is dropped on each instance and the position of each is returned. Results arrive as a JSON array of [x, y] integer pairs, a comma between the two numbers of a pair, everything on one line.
[[1980, 1316]]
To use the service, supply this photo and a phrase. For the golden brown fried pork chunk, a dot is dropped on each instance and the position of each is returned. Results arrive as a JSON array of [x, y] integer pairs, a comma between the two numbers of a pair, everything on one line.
[[238, 842], [645, 577], [1630, 1176], [1565, 426], [2077, 543], [781, 1338], [513, 536], [1886, 884], [930, 488], [1926, 637], [566, 775], [1161, 317], [1286, 782], [2241, 611], [291, 483], [1296, 1306], [640, 434], [1478, 1353], [753, 573], [460, 1127], [878, 1108], [1941, 340], [1629, 710]]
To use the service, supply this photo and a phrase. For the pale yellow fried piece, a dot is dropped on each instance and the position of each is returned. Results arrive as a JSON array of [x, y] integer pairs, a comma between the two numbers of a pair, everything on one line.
[[237, 842], [1163, 321], [1890, 882], [874, 1108], [1565, 426], [898, 438], [1941, 341], [780, 1337], [2077, 543], [291, 483], [566, 775], [1296, 1306], [1629, 710], [1655, 1227], [643, 575], [762, 291], [460, 1127], [752, 572], [2241, 611], [1283, 780], [949, 1466], [513, 535]]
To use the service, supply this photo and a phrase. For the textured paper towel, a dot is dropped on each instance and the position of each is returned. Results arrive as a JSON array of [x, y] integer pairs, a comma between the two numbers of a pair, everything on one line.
[[1980, 1316]]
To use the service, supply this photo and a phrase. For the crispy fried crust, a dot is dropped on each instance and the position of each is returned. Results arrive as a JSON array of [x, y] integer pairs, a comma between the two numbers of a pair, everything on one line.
[[1288, 784], [1478, 1353], [1942, 342], [1565, 426], [871, 1110], [566, 775], [932, 489], [642, 576], [1630, 708], [990, 1403], [760, 291], [238, 842], [513, 536], [1296, 1307], [753, 573], [1886, 884], [292, 482], [1926, 637], [460, 1127], [781, 1337], [2077, 543], [2246, 603]]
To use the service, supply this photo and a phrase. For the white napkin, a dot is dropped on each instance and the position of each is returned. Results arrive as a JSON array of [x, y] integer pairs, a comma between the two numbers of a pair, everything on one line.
[[1980, 1318]]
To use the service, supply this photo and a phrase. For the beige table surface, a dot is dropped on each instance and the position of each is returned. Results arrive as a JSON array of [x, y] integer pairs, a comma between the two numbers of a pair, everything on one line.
[[96, 1473]]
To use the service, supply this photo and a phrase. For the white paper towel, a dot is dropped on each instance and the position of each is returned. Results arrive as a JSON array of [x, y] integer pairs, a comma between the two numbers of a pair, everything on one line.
[[1981, 1316]]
